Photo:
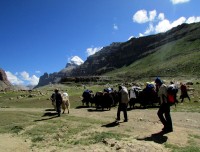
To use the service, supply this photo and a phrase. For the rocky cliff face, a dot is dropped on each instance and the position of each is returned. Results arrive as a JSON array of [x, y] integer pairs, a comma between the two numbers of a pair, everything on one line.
[[4, 83]]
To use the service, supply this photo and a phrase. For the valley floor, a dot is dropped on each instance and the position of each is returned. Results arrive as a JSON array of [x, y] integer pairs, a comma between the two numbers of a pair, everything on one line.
[[142, 129]]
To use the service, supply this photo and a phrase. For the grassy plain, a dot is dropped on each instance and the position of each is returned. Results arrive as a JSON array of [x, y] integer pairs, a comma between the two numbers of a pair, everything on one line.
[[29, 115]]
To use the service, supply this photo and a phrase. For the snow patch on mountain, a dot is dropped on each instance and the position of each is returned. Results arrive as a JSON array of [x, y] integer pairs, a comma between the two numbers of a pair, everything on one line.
[[75, 61]]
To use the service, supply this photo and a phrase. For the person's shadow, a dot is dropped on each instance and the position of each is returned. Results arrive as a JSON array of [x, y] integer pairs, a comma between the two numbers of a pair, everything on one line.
[[157, 138], [112, 124], [50, 115]]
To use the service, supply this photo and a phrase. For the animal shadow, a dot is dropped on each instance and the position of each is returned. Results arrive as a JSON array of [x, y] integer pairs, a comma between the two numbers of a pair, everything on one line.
[[112, 124], [80, 107], [157, 138]]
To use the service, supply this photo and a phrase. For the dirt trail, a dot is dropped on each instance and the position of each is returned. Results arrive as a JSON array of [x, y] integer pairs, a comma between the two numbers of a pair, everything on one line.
[[143, 126]]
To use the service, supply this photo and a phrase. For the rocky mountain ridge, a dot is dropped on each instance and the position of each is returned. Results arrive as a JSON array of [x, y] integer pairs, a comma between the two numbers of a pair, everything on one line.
[[120, 54], [55, 77]]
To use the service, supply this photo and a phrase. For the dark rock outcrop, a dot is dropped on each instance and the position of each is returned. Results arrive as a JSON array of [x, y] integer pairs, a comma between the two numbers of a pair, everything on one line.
[[4, 83]]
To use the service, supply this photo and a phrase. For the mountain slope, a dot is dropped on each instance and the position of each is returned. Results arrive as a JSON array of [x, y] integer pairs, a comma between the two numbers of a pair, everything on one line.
[[178, 58], [173, 53]]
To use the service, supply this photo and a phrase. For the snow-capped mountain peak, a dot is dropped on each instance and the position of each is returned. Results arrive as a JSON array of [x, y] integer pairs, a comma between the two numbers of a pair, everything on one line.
[[74, 61]]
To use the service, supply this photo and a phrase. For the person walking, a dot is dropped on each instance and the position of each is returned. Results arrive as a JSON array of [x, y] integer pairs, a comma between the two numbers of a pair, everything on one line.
[[184, 93], [164, 109], [58, 99], [173, 90], [123, 103]]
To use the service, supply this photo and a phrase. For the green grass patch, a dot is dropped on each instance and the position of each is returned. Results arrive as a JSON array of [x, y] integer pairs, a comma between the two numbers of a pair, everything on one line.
[[175, 148], [187, 107], [14, 122], [98, 137], [192, 147]]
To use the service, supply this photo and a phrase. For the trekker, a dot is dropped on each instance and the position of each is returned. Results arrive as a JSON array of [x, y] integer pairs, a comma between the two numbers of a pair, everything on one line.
[[123, 103], [184, 93], [58, 99], [174, 91], [164, 110]]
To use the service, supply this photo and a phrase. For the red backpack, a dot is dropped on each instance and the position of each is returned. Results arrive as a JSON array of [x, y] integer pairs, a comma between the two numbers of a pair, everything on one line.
[[170, 98]]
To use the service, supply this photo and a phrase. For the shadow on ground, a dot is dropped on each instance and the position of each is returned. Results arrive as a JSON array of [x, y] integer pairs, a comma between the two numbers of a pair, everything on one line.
[[156, 137], [80, 107], [50, 110], [112, 124], [49, 116], [97, 110]]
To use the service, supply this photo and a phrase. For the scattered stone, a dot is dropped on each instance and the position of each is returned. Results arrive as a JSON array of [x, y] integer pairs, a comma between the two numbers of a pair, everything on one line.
[[105, 141]]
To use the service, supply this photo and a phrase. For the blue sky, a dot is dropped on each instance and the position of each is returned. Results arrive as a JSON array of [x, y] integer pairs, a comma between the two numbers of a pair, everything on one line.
[[38, 36]]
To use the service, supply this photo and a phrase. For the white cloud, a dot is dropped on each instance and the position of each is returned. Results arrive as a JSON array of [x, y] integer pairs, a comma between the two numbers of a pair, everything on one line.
[[193, 19], [91, 51], [179, 1], [25, 75], [115, 27], [13, 78], [152, 15], [177, 22], [33, 80], [22, 78], [161, 16], [149, 29], [158, 23], [163, 26], [140, 17]]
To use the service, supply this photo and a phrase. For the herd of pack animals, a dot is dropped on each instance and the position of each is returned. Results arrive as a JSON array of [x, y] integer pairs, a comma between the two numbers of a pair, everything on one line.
[[110, 98]]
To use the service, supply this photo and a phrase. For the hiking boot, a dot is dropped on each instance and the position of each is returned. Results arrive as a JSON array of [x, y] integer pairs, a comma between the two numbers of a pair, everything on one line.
[[167, 130], [117, 119]]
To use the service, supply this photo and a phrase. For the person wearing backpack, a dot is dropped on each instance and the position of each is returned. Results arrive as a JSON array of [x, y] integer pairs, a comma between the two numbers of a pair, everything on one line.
[[164, 109], [184, 93], [123, 103], [58, 99], [172, 91]]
